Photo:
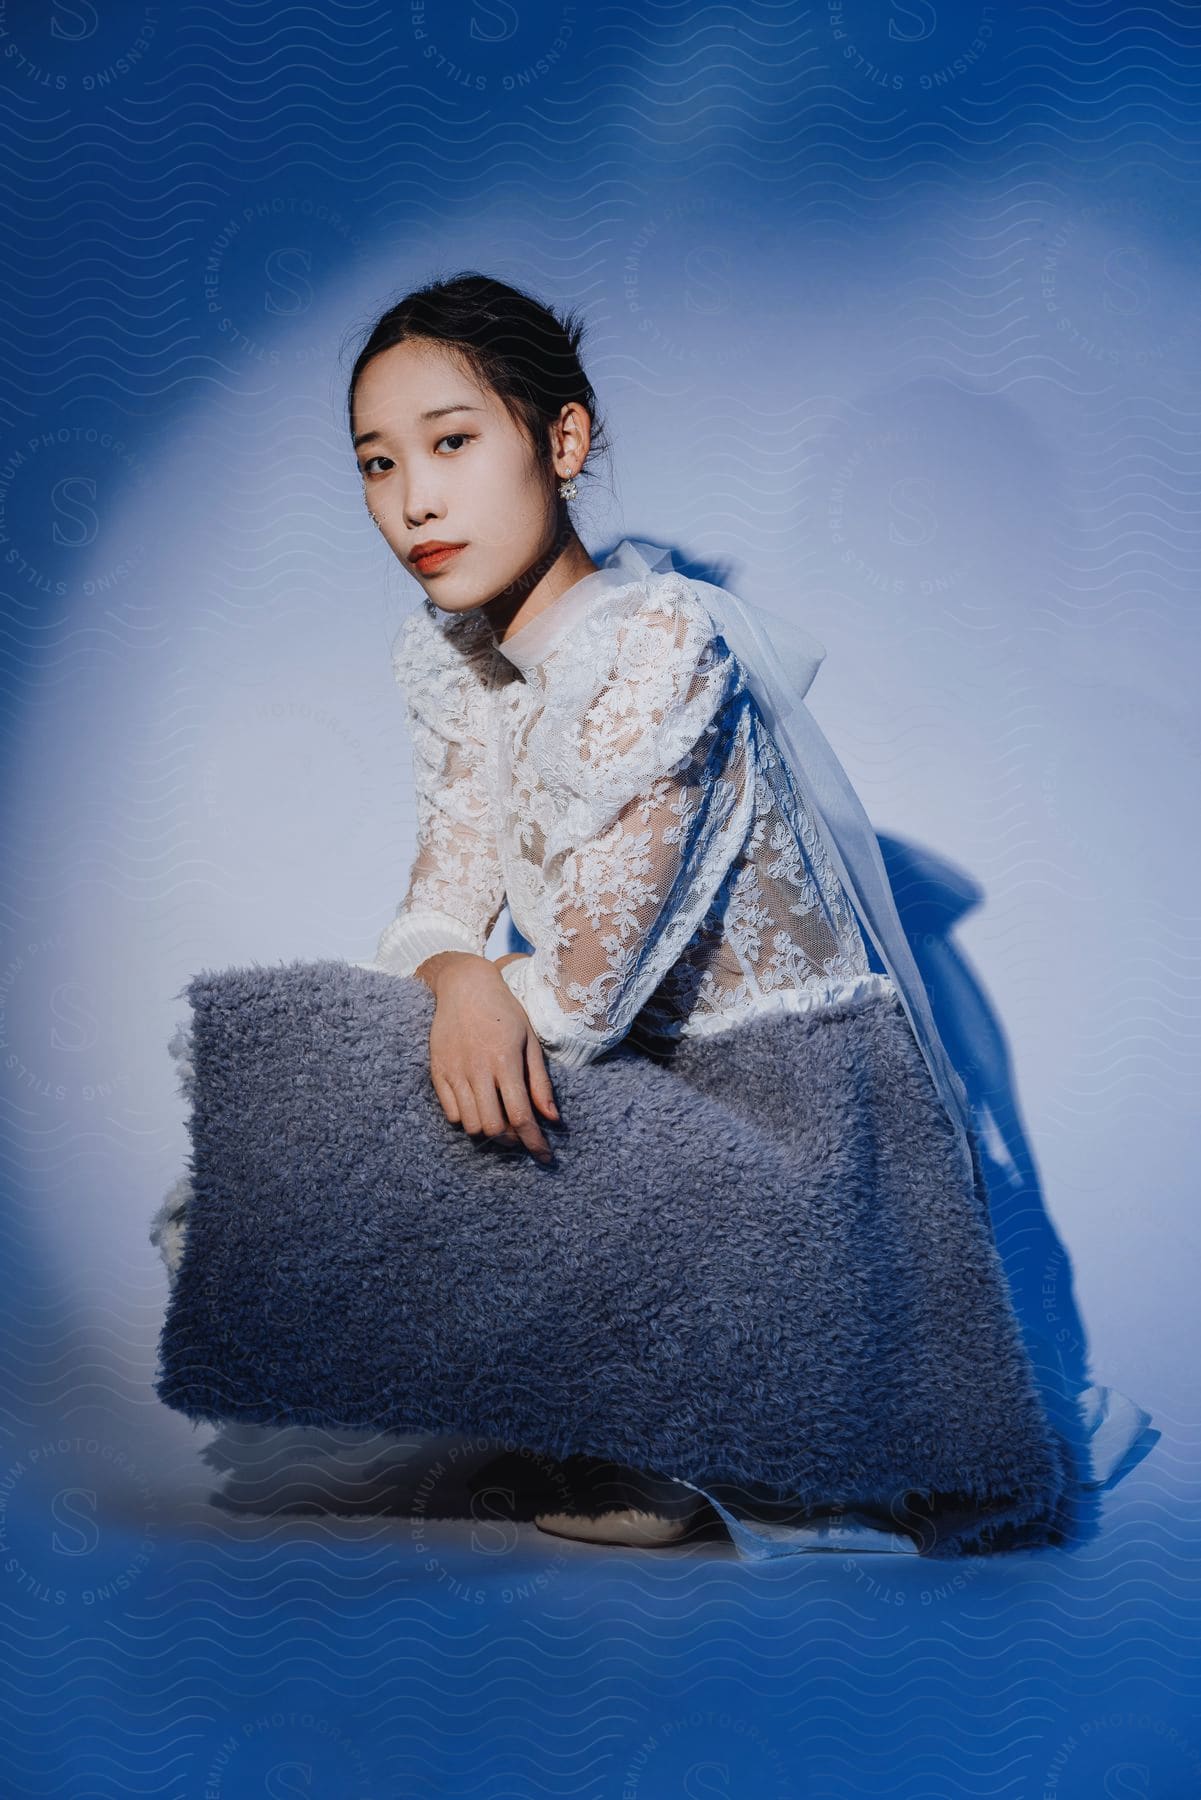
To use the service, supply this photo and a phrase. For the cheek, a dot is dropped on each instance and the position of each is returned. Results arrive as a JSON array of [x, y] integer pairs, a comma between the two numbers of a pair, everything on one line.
[[495, 498]]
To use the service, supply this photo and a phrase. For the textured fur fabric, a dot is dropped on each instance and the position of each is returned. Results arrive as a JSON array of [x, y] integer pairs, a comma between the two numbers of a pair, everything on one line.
[[813, 1310]]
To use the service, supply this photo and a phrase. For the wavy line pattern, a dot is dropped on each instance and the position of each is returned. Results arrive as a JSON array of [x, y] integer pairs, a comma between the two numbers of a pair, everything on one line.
[[895, 300]]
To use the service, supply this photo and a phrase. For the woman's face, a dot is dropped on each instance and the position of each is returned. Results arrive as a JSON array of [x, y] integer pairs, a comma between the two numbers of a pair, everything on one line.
[[442, 461]]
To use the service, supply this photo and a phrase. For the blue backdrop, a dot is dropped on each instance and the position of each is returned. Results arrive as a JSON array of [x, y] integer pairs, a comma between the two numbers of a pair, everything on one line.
[[893, 314]]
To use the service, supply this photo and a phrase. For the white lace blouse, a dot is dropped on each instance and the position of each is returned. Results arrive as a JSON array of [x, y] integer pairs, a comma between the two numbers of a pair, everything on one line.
[[606, 772]]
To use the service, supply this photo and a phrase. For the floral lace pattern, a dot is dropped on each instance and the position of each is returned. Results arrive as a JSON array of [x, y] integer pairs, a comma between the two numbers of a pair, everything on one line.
[[456, 877], [626, 798]]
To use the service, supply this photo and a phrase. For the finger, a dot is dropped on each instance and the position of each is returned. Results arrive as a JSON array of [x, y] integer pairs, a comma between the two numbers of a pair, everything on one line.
[[468, 1111], [541, 1092], [492, 1119], [520, 1112], [446, 1098]]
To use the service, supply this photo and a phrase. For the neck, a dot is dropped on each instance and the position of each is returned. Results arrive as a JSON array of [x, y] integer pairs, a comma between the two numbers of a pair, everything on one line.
[[564, 562]]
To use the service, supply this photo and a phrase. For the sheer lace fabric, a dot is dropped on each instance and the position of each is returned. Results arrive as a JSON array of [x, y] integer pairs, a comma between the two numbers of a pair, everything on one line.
[[622, 792]]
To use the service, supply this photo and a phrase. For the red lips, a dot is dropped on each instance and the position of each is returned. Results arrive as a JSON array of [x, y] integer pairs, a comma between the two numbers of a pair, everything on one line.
[[432, 554]]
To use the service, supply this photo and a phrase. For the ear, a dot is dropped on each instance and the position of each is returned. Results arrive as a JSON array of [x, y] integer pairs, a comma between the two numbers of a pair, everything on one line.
[[571, 437]]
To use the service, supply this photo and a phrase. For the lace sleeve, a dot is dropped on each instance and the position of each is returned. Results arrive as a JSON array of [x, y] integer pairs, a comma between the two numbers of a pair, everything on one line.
[[656, 797], [456, 884]]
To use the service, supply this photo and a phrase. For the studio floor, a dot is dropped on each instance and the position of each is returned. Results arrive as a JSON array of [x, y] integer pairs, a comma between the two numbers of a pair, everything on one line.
[[279, 1612]]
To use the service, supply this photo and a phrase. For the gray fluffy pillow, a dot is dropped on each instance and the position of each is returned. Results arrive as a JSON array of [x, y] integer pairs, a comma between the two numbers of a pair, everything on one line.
[[752, 1262]]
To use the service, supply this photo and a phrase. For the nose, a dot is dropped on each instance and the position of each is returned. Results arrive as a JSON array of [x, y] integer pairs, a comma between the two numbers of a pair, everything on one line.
[[420, 504]]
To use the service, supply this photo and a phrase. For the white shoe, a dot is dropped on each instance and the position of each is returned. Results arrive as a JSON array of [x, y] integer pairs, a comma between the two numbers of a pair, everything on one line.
[[628, 1525], [657, 1510]]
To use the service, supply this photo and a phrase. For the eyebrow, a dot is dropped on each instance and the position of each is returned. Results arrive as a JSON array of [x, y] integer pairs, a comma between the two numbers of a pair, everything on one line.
[[435, 412]]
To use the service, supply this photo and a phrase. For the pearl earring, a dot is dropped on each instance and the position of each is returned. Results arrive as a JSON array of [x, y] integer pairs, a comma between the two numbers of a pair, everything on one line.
[[568, 489]]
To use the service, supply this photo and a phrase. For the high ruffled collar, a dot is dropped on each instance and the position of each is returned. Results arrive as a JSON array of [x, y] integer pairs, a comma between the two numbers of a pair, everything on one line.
[[531, 644]]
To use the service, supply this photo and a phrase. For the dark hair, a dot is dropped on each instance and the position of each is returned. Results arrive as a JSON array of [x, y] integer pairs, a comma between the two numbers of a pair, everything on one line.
[[525, 352]]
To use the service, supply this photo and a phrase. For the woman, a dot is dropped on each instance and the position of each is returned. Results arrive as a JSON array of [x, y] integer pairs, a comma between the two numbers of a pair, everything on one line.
[[586, 747], [763, 1266]]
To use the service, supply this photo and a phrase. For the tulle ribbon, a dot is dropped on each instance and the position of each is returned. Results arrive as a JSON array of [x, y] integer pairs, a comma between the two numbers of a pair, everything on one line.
[[780, 659]]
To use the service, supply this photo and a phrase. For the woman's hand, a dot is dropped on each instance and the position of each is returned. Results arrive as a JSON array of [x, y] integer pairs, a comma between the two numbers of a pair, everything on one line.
[[484, 1052]]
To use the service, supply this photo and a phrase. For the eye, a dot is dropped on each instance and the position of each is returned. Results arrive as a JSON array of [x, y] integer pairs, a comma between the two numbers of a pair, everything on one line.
[[456, 438]]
